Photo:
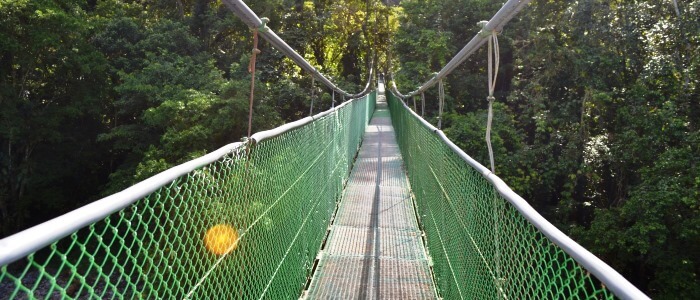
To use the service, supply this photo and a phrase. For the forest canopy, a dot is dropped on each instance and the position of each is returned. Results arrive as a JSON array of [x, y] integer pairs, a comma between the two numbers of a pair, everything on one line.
[[597, 113]]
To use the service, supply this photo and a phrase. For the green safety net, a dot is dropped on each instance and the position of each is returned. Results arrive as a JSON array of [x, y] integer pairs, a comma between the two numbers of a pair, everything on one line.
[[248, 226], [480, 245]]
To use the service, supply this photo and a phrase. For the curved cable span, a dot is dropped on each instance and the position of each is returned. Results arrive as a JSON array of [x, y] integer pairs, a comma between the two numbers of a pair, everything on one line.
[[248, 16], [500, 19]]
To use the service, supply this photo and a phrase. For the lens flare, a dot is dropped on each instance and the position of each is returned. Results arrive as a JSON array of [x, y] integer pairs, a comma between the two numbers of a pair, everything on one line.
[[220, 239]]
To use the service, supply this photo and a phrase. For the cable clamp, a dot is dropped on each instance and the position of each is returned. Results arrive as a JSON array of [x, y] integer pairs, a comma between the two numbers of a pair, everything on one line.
[[490, 98], [483, 32], [263, 26]]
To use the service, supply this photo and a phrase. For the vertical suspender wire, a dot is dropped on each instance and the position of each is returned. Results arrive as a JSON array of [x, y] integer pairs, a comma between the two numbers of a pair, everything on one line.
[[414, 104], [313, 95], [332, 99], [493, 57], [301, 204], [441, 102], [248, 175], [422, 104], [493, 61]]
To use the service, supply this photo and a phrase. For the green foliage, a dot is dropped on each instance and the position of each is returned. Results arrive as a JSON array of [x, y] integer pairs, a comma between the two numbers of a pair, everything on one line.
[[596, 120], [51, 99], [431, 32], [96, 96]]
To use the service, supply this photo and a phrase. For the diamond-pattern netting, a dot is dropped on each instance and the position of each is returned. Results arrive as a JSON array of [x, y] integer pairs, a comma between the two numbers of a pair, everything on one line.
[[480, 245], [246, 226]]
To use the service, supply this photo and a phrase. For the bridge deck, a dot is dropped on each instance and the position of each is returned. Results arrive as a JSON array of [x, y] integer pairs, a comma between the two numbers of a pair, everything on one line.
[[374, 250]]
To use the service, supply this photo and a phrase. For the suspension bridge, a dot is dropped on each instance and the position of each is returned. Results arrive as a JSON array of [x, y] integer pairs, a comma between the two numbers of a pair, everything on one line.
[[364, 201]]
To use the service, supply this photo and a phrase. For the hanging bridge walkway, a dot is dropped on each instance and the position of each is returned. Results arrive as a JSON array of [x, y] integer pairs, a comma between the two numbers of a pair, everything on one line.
[[366, 200], [375, 249]]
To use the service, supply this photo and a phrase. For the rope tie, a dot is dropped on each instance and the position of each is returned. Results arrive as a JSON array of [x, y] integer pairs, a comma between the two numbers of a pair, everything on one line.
[[441, 102], [249, 176], [493, 61], [251, 70]]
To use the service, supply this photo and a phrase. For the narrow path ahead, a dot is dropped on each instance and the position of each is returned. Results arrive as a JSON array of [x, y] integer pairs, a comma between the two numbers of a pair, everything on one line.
[[374, 250]]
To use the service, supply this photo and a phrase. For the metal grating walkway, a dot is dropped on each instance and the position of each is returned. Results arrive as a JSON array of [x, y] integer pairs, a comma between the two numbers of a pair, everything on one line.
[[374, 250]]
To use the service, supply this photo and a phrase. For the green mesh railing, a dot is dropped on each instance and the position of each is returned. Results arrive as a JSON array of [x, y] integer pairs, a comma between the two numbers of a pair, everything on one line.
[[482, 245], [246, 224]]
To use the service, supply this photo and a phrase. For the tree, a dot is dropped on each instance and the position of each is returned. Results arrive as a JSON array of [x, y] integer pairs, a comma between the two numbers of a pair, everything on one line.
[[51, 88]]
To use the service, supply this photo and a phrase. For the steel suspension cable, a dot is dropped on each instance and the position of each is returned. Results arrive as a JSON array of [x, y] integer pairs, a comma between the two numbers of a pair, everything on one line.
[[240, 9], [500, 19]]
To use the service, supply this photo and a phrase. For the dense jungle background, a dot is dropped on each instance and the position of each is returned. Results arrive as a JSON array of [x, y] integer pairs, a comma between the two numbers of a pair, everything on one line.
[[597, 120]]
